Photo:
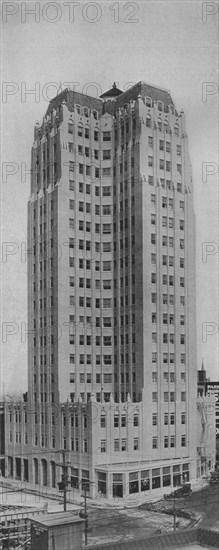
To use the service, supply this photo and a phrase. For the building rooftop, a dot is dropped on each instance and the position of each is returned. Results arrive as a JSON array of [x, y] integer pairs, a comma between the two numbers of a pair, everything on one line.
[[145, 90], [57, 518], [113, 92]]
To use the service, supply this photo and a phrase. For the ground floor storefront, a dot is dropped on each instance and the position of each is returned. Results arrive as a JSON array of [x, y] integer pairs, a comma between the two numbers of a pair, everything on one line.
[[120, 484], [115, 481]]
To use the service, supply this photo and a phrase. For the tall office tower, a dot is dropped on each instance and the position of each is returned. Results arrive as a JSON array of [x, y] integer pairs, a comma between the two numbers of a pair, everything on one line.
[[111, 274]]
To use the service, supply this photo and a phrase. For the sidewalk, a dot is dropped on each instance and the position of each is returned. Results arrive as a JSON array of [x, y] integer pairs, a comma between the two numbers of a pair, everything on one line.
[[49, 494]]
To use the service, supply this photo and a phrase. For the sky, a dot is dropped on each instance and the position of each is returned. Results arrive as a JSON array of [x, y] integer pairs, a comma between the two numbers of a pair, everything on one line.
[[171, 44]]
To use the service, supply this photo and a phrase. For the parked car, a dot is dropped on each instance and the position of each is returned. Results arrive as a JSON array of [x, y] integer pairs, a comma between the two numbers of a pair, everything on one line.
[[214, 478]]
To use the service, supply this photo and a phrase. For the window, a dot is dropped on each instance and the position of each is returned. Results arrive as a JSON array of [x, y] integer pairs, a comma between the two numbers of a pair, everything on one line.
[[150, 141], [153, 219], [150, 161], [148, 121], [106, 210], [106, 228], [123, 421], [135, 420], [106, 266], [183, 396], [154, 397], [172, 441], [154, 419], [183, 441], [166, 419], [172, 374], [107, 136], [161, 164], [166, 441], [153, 258], [154, 443], [136, 444], [103, 446], [153, 199], [153, 298], [71, 300], [183, 418], [172, 393], [116, 445], [154, 376], [106, 154], [106, 191], [183, 376], [106, 171], [70, 127], [107, 303], [81, 225], [107, 284]]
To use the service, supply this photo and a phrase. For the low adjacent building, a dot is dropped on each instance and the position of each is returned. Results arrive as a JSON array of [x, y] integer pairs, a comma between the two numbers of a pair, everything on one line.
[[106, 447]]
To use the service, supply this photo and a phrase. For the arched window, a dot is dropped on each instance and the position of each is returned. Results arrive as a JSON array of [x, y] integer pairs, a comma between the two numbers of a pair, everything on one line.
[[35, 471], [176, 129], [148, 121], [44, 471], [87, 132], [159, 124], [53, 473], [148, 102], [95, 114], [70, 126], [78, 108], [160, 105], [166, 127], [80, 129], [86, 112]]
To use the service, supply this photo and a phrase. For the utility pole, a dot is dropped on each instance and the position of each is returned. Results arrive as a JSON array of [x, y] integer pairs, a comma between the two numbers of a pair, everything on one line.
[[174, 514], [86, 487], [84, 514], [65, 481]]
